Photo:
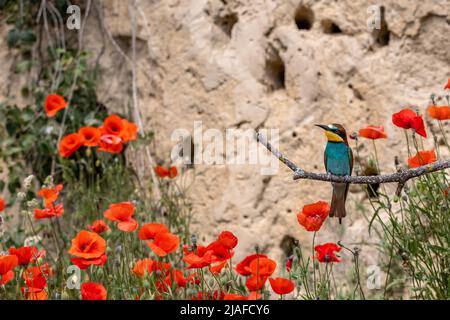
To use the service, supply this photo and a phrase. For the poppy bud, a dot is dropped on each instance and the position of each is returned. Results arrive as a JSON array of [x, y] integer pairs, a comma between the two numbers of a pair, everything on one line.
[[39, 261], [49, 181], [354, 135], [88, 152], [194, 242], [27, 182]]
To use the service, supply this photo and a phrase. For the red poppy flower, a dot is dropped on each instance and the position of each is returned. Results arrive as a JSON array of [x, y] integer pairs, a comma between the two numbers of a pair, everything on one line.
[[447, 86], [439, 112], [422, 158], [130, 131], [24, 254], [254, 295], [326, 252], [313, 215], [173, 172], [242, 267], [87, 245], [164, 244], [36, 277], [164, 172], [446, 192], [150, 230], [219, 251], [53, 104], [228, 240], [99, 226], [55, 211], [122, 213], [2, 204], [255, 283], [91, 136], [114, 125], [70, 144], [373, 132], [216, 269], [404, 118], [281, 285], [83, 264], [111, 144], [89, 249], [263, 267], [289, 263], [200, 258], [233, 296], [408, 119], [93, 291], [50, 195], [143, 266], [7, 265], [31, 295], [161, 171], [178, 277]]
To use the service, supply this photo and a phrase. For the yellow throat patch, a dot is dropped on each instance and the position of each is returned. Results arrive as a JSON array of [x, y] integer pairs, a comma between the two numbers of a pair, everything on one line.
[[333, 137]]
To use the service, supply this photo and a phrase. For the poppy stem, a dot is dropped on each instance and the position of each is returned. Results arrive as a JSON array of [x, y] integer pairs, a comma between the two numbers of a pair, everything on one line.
[[441, 128], [314, 264]]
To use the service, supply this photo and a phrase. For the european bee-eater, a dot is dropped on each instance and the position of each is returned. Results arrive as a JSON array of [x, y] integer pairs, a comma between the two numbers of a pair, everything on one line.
[[338, 159]]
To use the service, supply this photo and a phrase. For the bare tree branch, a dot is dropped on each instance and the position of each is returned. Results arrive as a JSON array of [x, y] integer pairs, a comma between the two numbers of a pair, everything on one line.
[[400, 177]]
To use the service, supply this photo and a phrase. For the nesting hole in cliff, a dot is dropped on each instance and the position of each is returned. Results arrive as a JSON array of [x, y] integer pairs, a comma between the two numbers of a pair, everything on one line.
[[226, 23], [304, 18], [288, 243], [382, 35], [275, 71], [330, 27]]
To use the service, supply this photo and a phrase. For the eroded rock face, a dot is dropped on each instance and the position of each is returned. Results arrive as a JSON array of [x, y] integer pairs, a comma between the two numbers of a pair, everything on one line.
[[271, 64]]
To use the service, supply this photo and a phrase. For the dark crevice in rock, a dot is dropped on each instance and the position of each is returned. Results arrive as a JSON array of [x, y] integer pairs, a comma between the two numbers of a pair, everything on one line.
[[260, 196], [288, 243], [356, 92], [382, 35], [227, 22], [330, 27], [275, 71], [304, 18]]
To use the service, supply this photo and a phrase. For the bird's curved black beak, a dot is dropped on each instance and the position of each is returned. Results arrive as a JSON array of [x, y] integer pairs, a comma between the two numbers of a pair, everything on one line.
[[324, 127]]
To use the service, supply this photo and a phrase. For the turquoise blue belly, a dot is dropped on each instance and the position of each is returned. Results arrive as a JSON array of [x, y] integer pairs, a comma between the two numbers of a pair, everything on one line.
[[337, 159]]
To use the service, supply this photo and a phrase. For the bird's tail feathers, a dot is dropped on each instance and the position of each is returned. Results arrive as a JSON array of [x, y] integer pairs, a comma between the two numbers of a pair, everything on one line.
[[338, 201]]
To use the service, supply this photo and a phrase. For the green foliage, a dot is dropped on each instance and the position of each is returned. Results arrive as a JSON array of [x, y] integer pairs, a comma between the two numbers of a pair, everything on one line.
[[30, 138], [416, 238], [92, 180]]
